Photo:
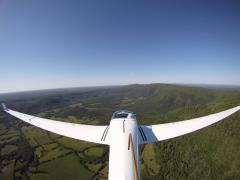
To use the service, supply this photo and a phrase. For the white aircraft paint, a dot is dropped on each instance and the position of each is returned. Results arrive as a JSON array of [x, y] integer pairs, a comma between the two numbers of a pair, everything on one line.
[[123, 155]]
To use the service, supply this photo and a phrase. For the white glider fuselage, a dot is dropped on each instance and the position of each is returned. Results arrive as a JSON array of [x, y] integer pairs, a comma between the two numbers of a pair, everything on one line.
[[123, 155]]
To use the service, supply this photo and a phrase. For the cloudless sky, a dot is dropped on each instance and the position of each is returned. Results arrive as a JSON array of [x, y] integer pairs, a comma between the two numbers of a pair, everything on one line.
[[56, 43]]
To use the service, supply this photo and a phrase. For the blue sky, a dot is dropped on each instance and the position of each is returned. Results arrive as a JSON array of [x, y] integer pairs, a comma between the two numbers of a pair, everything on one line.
[[55, 43]]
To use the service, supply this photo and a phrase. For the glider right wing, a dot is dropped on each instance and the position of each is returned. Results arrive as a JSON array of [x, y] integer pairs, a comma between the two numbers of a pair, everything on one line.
[[160, 132]]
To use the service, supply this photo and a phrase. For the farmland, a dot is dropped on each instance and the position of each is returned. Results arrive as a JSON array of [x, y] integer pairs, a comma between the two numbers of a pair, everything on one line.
[[31, 153]]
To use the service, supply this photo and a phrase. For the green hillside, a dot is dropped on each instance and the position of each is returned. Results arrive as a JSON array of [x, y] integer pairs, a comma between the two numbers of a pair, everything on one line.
[[27, 152]]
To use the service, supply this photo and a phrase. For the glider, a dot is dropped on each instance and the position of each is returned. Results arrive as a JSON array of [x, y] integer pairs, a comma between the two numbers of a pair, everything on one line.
[[123, 135]]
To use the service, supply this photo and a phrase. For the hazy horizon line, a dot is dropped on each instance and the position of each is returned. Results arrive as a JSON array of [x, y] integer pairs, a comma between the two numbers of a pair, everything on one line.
[[127, 84]]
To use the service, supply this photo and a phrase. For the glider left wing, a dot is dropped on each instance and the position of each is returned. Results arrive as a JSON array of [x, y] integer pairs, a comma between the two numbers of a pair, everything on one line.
[[91, 133]]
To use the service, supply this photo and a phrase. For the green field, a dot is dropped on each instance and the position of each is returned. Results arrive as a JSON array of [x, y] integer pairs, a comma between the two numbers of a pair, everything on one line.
[[27, 152], [61, 168]]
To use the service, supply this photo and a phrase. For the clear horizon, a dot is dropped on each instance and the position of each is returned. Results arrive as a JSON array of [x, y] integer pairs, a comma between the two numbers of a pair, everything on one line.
[[61, 44]]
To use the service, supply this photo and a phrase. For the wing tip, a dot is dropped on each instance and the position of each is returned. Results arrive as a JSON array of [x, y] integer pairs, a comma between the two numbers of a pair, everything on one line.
[[4, 107], [238, 108]]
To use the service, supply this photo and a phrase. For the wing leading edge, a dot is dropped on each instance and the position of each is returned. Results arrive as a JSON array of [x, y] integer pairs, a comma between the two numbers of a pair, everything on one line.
[[89, 133], [161, 132]]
